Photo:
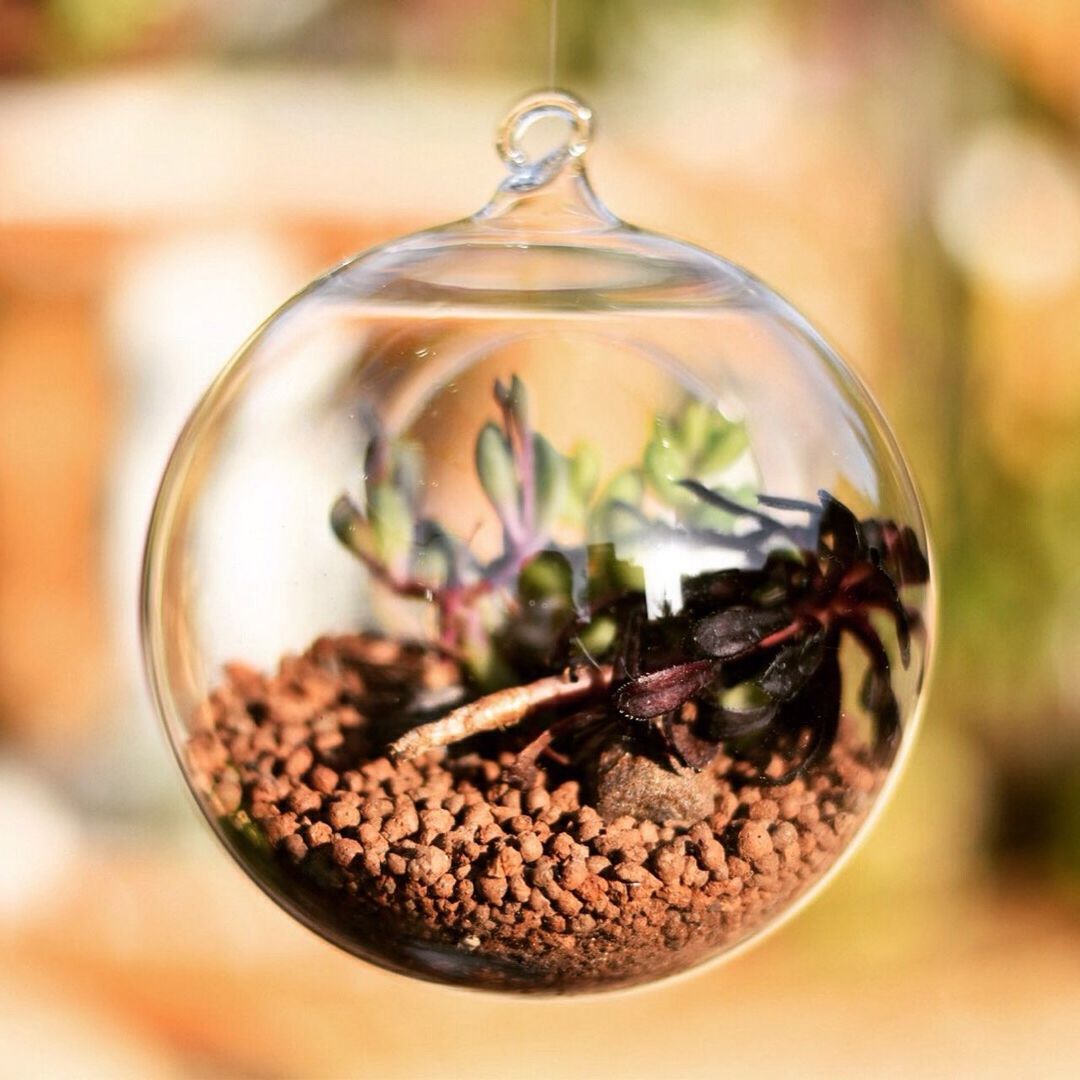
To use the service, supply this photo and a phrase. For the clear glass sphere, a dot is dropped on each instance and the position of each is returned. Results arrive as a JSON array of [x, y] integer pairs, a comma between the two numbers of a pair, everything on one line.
[[537, 603]]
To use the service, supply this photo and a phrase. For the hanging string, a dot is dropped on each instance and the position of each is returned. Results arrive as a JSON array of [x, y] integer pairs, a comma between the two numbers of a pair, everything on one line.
[[553, 39]]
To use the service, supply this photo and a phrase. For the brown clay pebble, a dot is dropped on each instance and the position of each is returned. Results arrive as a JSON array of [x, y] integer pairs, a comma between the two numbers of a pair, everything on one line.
[[784, 835], [343, 816], [323, 779], [535, 885], [754, 840], [229, 795], [320, 833], [345, 850], [530, 847]]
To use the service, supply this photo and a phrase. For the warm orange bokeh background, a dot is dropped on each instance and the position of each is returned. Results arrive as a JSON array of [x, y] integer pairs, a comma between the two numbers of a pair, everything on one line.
[[906, 172]]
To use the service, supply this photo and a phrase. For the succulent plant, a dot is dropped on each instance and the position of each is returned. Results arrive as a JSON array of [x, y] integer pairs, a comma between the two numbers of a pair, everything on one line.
[[570, 634]]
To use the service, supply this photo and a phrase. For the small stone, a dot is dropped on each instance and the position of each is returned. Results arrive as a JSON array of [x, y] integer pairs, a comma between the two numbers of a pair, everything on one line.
[[634, 874], [436, 822], [345, 850], [713, 856], [563, 847], [784, 835], [319, 833], [492, 889], [478, 815], [323, 779], [298, 762], [650, 834], [593, 891], [328, 740], [754, 840], [506, 862], [488, 834], [206, 753], [444, 887], [229, 794], [597, 864], [530, 847], [737, 867], [726, 806], [403, 822], [637, 786], [566, 795], [371, 838], [277, 828], [669, 865], [536, 800], [768, 864], [694, 875], [295, 847], [574, 873], [566, 903], [304, 800], [544, 872], [589, 824], [376, 811], [343, 816], [428, 865], [519, 888], [701, 833]]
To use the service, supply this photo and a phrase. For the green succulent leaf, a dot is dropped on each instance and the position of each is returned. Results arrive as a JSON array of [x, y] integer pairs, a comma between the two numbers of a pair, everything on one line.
[[495, 467], [599, 636], [584, 470], [515, 400], [723, 446], [391, 522], [351, 527], [551, 482], [665, 465], [626, 486], [694, 427], [408, 470], [547, 576], [617, 521]]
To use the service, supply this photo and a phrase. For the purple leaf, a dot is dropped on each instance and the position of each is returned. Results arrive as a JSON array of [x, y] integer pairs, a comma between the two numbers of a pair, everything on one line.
[[816, 709], [694, 750], [839, 533], [877, 698], [734, 723], [900, 554], [794, 665], [662, 691], [878, 590], [737, 630]]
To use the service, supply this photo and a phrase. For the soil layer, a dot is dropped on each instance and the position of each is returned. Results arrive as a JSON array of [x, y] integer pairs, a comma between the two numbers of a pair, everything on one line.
[[441, 868]]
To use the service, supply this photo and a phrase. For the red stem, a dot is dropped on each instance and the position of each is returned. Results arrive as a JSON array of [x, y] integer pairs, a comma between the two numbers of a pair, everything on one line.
[[792, 629]]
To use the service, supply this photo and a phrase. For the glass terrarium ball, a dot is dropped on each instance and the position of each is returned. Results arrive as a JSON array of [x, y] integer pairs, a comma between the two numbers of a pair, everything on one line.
[[537, 603]]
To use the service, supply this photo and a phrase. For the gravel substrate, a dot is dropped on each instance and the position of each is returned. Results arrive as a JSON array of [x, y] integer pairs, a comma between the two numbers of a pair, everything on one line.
[[440, 868]]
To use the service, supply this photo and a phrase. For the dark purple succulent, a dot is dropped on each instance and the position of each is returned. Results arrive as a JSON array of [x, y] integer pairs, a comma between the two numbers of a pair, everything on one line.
[[774, 633]]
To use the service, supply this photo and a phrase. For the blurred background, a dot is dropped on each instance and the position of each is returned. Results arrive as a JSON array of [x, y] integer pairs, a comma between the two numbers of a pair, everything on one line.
[[906, 171]]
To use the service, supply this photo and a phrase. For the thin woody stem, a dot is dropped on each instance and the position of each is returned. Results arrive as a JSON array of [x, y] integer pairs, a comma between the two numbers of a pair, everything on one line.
[[502, 709]]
